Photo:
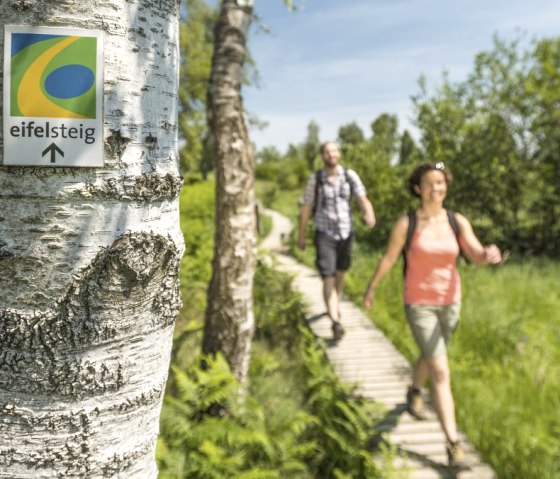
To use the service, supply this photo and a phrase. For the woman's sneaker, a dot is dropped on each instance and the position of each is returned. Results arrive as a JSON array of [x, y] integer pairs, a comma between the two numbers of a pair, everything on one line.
[[338, 330], [415, 403], [455, 454]]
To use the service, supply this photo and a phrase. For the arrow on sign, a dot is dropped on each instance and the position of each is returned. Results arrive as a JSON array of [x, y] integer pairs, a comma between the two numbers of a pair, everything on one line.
[[52, 148]]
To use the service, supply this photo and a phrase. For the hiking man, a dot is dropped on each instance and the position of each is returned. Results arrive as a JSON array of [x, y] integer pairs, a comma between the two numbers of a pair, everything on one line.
[[327, 198]]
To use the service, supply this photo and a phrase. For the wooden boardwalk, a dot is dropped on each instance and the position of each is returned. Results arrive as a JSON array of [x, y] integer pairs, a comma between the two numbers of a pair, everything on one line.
[[367, 358]]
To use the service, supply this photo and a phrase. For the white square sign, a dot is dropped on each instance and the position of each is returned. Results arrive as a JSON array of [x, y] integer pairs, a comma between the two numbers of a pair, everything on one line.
[[53, 97]]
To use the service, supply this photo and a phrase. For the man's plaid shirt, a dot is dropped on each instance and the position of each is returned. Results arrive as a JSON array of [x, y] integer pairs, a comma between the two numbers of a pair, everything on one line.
[[333, 214]]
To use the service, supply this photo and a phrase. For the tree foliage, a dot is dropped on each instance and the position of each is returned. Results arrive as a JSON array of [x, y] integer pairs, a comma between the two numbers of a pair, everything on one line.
[[196, 43], [494, 131], [498, 133], [385, 136], [408, 151], [312, 144], [350, 134]]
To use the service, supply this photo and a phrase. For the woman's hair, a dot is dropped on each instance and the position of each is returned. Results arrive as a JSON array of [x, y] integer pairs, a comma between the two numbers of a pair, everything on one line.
[[416, 176]]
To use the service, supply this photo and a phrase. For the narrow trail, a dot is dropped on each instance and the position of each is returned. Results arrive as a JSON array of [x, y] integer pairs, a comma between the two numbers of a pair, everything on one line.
[[367, 358]]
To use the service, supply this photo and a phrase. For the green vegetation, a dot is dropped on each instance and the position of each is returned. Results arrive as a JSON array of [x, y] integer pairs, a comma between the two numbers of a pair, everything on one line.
[[507, 365], [496, 131], [505, 356], [505, 359], [296, 420]]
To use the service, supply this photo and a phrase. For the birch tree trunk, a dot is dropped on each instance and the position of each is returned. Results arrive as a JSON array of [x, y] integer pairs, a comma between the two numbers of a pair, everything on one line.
[[230, 324], [89, 263]]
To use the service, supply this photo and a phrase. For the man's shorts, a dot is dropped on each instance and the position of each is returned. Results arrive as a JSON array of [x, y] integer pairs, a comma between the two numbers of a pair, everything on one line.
[[432, 326], [332, 255]]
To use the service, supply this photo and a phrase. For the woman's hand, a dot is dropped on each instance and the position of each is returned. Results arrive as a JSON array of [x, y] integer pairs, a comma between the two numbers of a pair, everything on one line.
[[493, 255], [473, 248]]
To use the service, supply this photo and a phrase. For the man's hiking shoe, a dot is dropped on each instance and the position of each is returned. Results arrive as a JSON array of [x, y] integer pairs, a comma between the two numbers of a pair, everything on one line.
[[337, 330], [455, 454], [415, 403]]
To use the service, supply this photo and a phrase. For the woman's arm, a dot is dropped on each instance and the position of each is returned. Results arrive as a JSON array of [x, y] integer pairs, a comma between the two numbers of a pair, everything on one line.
[[473, 248], [394, 250]]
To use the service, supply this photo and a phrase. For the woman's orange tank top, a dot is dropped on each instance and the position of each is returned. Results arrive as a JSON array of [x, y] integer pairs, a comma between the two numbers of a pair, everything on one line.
[[431, 273]]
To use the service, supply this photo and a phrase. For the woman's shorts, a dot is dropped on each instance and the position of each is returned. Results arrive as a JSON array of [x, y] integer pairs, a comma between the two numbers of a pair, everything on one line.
[[432, 326]]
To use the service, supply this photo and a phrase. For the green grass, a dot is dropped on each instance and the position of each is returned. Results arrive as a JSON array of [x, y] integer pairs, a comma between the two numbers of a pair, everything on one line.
[[507, 365], [283, 201], [505, 358]]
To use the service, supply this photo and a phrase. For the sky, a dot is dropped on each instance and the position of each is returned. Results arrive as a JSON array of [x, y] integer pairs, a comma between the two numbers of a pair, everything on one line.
[[340, 61]]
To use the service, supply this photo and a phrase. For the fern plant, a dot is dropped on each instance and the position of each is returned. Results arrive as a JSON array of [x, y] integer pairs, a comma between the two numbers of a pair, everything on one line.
[[195, 444], [344, 422]]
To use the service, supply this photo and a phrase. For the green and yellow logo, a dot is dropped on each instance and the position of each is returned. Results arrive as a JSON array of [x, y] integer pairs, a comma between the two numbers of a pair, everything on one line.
[[53, 76]]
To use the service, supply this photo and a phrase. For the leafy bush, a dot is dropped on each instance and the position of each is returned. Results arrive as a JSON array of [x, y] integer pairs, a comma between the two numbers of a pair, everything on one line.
[[196, 444], [197, 213], [343, 422], [268, 171], [341, 425], [288, 173]]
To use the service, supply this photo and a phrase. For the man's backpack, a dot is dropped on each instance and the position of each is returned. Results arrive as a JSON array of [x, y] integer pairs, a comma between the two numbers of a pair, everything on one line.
[[319, 183], [412, 227]]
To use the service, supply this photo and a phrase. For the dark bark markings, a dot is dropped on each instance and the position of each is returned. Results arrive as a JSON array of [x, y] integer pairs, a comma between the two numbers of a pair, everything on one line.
[[128, 292]]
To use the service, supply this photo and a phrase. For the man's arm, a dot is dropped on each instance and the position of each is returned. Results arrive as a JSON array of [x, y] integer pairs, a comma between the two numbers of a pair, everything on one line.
[[368, 214], [304, 216], [306, 210]]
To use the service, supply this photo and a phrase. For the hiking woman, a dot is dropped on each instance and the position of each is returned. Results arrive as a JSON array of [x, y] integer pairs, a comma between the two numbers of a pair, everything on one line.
[[431, 239]]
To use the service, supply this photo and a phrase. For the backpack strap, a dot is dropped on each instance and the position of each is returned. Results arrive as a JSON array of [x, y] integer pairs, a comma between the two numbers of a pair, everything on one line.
[[409, 233], [453, 223], [411, 228], [318, 183], [349, 181]]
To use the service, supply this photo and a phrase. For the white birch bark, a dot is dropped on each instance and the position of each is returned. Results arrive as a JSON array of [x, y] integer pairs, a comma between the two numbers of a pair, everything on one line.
[[230, 324], [88, 263]]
